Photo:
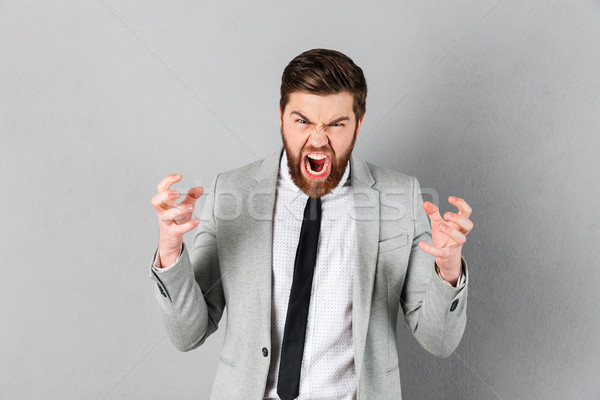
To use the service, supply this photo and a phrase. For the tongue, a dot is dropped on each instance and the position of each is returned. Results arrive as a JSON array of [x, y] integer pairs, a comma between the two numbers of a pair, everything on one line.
[[316, 165]]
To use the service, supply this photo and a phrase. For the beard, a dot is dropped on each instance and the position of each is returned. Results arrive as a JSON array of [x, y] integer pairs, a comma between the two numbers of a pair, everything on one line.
[[311, 187]]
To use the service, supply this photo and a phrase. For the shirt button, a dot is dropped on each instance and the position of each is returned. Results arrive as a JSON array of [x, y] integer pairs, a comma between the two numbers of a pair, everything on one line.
[[265, 351]]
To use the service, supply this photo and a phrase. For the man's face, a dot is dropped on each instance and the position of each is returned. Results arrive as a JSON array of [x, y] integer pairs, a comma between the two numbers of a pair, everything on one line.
[[318, 134]]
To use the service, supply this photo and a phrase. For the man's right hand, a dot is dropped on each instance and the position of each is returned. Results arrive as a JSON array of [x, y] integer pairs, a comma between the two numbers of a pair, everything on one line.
[[174, 219]]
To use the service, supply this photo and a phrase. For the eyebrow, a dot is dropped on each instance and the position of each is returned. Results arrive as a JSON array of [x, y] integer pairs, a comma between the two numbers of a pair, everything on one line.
[[304, 117], [340, 119]]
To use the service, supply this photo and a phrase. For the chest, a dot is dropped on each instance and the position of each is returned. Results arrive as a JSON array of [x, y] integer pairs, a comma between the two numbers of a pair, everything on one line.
[[337, 240]]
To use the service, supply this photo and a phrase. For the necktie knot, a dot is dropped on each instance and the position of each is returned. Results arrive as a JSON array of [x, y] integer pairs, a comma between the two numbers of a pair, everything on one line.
[[312, 211]]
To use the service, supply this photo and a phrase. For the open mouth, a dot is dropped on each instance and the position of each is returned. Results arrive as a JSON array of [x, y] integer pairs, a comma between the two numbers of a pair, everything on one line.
[[317, 165]]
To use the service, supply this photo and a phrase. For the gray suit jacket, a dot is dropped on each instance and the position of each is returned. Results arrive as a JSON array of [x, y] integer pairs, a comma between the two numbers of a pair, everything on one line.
[[230, 264]]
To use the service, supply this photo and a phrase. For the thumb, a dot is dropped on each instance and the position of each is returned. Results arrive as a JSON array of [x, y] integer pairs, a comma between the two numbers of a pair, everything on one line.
[[432, 212], [192, 195]]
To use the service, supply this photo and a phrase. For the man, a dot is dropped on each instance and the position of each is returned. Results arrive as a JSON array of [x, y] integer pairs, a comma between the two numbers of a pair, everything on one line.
[[313, 251]]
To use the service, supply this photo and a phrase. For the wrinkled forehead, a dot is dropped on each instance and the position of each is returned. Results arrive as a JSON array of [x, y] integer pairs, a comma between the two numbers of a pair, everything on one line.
[[321, 108]]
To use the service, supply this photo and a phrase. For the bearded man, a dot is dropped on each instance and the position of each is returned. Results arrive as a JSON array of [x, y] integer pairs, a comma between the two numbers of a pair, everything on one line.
[[314, 252]]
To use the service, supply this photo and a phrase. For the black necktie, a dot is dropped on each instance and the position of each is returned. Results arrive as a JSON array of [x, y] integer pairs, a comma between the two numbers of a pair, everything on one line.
[[288, 383]]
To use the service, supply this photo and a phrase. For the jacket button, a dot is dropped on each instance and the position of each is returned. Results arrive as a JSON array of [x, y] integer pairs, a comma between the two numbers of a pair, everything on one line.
[[265, 351], [454, 304]]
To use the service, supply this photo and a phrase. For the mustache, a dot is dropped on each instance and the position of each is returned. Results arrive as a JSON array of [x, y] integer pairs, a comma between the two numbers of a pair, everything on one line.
[[315, 150]]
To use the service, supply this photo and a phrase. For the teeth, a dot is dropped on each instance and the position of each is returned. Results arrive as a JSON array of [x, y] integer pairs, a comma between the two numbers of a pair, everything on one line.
[[317, 156], [323, 170]]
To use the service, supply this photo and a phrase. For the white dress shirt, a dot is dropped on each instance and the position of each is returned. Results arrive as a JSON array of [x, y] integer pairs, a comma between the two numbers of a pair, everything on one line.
[[328, 359]]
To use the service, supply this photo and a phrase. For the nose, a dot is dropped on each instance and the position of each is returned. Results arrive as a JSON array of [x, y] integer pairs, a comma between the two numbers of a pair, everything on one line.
[[318, 138]]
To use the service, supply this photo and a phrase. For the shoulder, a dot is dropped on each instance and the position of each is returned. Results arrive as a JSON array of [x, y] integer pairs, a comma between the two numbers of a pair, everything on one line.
[[244, 172], [248, 174], [386, 178]]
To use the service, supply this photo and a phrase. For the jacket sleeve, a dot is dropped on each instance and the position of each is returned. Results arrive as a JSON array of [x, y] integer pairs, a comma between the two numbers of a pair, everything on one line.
[[435, 311], [190, 292]]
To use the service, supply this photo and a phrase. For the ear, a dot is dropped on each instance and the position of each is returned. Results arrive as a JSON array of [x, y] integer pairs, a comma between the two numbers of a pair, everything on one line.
[[359, 124], [280, 118]]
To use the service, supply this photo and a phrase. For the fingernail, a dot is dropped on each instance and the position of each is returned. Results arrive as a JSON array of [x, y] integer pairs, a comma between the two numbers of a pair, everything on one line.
[[451, 198]]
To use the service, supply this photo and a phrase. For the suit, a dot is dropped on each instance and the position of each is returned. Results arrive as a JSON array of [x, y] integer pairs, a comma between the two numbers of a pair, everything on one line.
[[230, 263]]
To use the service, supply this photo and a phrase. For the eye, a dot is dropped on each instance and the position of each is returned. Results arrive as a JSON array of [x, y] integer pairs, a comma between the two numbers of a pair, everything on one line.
[[301, 121], [337, 124]]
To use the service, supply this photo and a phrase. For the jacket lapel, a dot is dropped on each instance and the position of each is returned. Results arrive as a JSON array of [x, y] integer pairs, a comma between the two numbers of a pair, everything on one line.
[[261, 206], [366, 212]]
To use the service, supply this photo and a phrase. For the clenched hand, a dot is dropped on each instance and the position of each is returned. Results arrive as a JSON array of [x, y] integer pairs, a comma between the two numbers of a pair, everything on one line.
[[448, 237], [174, 219]]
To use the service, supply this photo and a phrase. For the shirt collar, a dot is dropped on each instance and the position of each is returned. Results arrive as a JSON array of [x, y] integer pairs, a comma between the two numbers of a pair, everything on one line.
[[286, 178]]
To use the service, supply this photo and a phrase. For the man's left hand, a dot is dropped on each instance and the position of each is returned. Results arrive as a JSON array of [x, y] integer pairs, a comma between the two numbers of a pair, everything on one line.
[[448, 236]]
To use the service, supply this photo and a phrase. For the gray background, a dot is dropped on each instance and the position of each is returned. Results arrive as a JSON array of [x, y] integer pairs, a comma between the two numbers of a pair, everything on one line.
[[494, 101]]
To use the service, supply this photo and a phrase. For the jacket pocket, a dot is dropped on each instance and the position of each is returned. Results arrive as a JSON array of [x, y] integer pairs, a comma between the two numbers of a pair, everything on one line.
[[393, 243], [228, 362]]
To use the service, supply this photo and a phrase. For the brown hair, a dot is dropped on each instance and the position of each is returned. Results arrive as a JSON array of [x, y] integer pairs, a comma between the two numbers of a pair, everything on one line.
[[322, 71]]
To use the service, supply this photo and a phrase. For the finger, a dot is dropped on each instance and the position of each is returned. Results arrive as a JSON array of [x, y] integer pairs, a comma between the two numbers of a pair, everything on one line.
[[433, 212], [461, 204], [454, 234], [176, 213], [167, 181], [192, 195], [434, 251], [188, 226], [458, 221], [165, 200]]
